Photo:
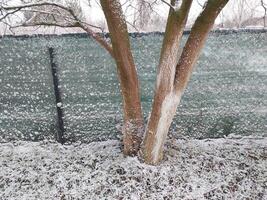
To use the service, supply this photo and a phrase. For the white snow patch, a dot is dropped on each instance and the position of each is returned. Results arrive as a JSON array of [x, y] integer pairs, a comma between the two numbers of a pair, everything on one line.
[[168, 109], [59, 104], [192, 169], [177, 5]]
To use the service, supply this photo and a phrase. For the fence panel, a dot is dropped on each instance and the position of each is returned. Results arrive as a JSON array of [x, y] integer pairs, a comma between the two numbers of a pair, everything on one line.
[[227, 93], [27, 108]]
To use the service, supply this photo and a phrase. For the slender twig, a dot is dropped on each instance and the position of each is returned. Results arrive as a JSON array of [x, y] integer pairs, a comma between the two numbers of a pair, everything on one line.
[[63, 16], [45, 24], [9, 13], [168, 4]]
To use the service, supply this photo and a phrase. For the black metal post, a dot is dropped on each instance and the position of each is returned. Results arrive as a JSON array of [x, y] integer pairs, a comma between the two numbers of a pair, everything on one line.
[[60, 133]]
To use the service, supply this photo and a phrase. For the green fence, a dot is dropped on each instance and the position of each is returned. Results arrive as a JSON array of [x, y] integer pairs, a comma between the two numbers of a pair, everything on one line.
[[227, 93]]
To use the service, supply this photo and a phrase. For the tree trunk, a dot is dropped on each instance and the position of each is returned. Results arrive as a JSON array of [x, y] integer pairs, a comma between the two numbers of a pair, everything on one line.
[[165, 99], [133, 118], [170, 89]]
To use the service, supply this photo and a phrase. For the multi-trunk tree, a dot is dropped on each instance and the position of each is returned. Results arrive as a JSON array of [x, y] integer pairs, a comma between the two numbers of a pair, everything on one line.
[[174, 68]]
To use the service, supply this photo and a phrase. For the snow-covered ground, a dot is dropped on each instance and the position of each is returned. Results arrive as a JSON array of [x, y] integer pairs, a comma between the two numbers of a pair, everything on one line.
[[193, 169]]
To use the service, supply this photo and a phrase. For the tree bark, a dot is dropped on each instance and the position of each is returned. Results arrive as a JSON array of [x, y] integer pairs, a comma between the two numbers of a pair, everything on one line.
[[173, 80], [133, 118], [165, 100]]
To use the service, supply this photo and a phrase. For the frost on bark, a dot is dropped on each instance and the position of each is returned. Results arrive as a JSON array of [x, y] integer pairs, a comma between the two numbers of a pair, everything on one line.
[[133, 119], [172, 78]]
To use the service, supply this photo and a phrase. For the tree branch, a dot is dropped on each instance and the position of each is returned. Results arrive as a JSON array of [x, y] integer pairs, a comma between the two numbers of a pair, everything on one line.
[[195, 42], [99, 39], [30, 5], [168, 4], [9, 13], [44, 24], [78, 23]]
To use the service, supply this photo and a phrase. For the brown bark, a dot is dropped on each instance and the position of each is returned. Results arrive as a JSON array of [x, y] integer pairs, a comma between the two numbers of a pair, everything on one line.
[[98, 38], [133, 119], [165, 78], [196, 41], [170, 89]]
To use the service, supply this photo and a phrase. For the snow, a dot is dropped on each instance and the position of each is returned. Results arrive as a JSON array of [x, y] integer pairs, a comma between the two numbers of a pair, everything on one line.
[[226, 168], [177, 5], [59, 104]]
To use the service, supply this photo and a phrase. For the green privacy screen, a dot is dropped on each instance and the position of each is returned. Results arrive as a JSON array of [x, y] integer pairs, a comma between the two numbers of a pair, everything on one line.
[[226, 95]]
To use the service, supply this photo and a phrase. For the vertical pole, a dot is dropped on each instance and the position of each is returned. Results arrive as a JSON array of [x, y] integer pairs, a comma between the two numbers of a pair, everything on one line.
[[60, 132]]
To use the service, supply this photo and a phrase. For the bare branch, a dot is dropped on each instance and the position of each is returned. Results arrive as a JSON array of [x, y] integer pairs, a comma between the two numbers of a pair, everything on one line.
[[168, 4], [30, 5], [44, 24], [72, 21], [99, 39], [265, 12], [9, 13], [202, 6], [65, 17]]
